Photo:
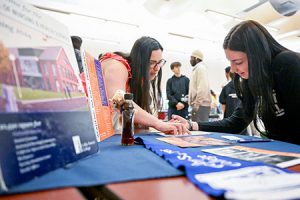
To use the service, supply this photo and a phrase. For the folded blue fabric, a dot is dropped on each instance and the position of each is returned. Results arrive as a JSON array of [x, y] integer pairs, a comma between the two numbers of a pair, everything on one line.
[[195, 162]]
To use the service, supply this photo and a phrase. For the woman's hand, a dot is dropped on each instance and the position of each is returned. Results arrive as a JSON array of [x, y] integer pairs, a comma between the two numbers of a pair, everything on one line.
[[178, 119], [117, 100], [175, 128]]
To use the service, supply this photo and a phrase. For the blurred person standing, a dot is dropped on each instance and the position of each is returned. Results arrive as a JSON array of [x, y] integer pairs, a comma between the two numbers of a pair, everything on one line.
[[177, 91], [199, 89], [228, 97], [77, 42]]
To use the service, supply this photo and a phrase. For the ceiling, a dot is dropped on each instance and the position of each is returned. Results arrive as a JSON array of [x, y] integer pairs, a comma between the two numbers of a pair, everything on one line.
[[180, 25], [205, 20]]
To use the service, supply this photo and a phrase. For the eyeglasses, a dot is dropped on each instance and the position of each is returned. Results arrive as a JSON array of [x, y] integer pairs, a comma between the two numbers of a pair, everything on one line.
[[154, 64]]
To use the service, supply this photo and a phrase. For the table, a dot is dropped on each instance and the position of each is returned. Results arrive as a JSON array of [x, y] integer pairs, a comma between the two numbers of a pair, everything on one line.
[[165, 188], [162, 188], [58, 194]]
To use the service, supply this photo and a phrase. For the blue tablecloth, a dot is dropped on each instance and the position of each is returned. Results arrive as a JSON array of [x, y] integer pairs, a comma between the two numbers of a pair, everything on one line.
[[113, 163], [196, 162], [116, 163], [274, 145]]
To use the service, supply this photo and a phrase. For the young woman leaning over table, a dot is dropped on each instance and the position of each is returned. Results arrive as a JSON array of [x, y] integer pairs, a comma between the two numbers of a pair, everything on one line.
[[138, 73], [267, 80]]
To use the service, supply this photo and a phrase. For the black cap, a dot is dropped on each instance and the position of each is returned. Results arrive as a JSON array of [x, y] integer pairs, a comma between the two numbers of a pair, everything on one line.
[[128, 96]]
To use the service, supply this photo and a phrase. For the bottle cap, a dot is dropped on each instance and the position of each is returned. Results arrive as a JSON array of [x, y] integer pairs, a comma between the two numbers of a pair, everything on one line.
[[128, 96]]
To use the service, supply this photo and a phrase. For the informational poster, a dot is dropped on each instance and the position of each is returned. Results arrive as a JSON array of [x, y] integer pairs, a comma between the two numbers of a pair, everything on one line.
[[100, 108], [45, 121], [280, 159]]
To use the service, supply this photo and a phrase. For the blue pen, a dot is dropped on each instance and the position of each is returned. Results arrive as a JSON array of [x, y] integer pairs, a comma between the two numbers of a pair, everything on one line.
[[254, 140]]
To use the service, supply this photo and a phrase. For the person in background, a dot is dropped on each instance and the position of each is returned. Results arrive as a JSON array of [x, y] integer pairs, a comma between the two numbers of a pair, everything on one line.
[[139, 73], [100, 56], [199, 90], [267, 81], [227, 75], [77, 42], [177, 91], [214, 103], [228, 97]]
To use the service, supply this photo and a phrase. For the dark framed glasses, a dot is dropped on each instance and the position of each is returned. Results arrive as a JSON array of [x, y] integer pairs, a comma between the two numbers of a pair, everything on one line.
[[154, 64]]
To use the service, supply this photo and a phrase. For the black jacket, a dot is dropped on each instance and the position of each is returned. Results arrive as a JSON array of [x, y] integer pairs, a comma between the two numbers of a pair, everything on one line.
[[177, 87], [285, 124], [229, 98]]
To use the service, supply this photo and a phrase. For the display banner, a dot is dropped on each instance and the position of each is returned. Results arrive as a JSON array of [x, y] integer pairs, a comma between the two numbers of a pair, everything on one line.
[[45, 122]]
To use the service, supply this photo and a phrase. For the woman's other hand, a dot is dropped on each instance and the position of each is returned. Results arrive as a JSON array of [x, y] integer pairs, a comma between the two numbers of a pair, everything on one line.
[[178, 119], [174, 128]]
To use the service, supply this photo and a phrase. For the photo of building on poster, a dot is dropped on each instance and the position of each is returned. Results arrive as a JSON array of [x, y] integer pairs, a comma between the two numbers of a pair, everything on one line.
[[38, 79], [38, 68]]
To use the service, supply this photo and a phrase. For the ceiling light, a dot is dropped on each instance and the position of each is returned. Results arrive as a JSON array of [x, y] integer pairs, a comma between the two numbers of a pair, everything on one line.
[[271, 28], [221, 14], [180, 35], [101, 40], [84, 15], [254, 5], [288, 34], [52, 10], [232, 17], [175, 52]]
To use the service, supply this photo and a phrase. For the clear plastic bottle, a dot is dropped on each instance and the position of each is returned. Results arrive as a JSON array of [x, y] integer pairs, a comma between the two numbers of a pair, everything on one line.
[[184, 98], [128, 120]]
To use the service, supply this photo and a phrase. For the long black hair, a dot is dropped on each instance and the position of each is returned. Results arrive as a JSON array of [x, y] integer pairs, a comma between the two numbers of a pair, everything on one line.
[[260, 47], [139, 61]]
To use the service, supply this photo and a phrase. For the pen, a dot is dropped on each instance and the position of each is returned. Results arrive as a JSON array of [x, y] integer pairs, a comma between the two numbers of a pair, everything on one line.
[[254, 140]]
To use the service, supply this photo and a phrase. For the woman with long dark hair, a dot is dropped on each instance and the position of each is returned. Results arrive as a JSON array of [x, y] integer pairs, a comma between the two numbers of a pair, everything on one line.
[[139, 73], [267, 80]]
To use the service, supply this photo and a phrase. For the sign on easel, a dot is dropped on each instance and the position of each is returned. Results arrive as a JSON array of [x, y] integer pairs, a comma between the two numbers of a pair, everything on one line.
[[45, 121]]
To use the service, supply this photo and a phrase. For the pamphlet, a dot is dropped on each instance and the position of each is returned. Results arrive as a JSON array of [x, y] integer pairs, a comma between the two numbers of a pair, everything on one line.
[[254, 182], [45, 121], [280, 159], [99, 105], [192, 133], [193, 141]]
